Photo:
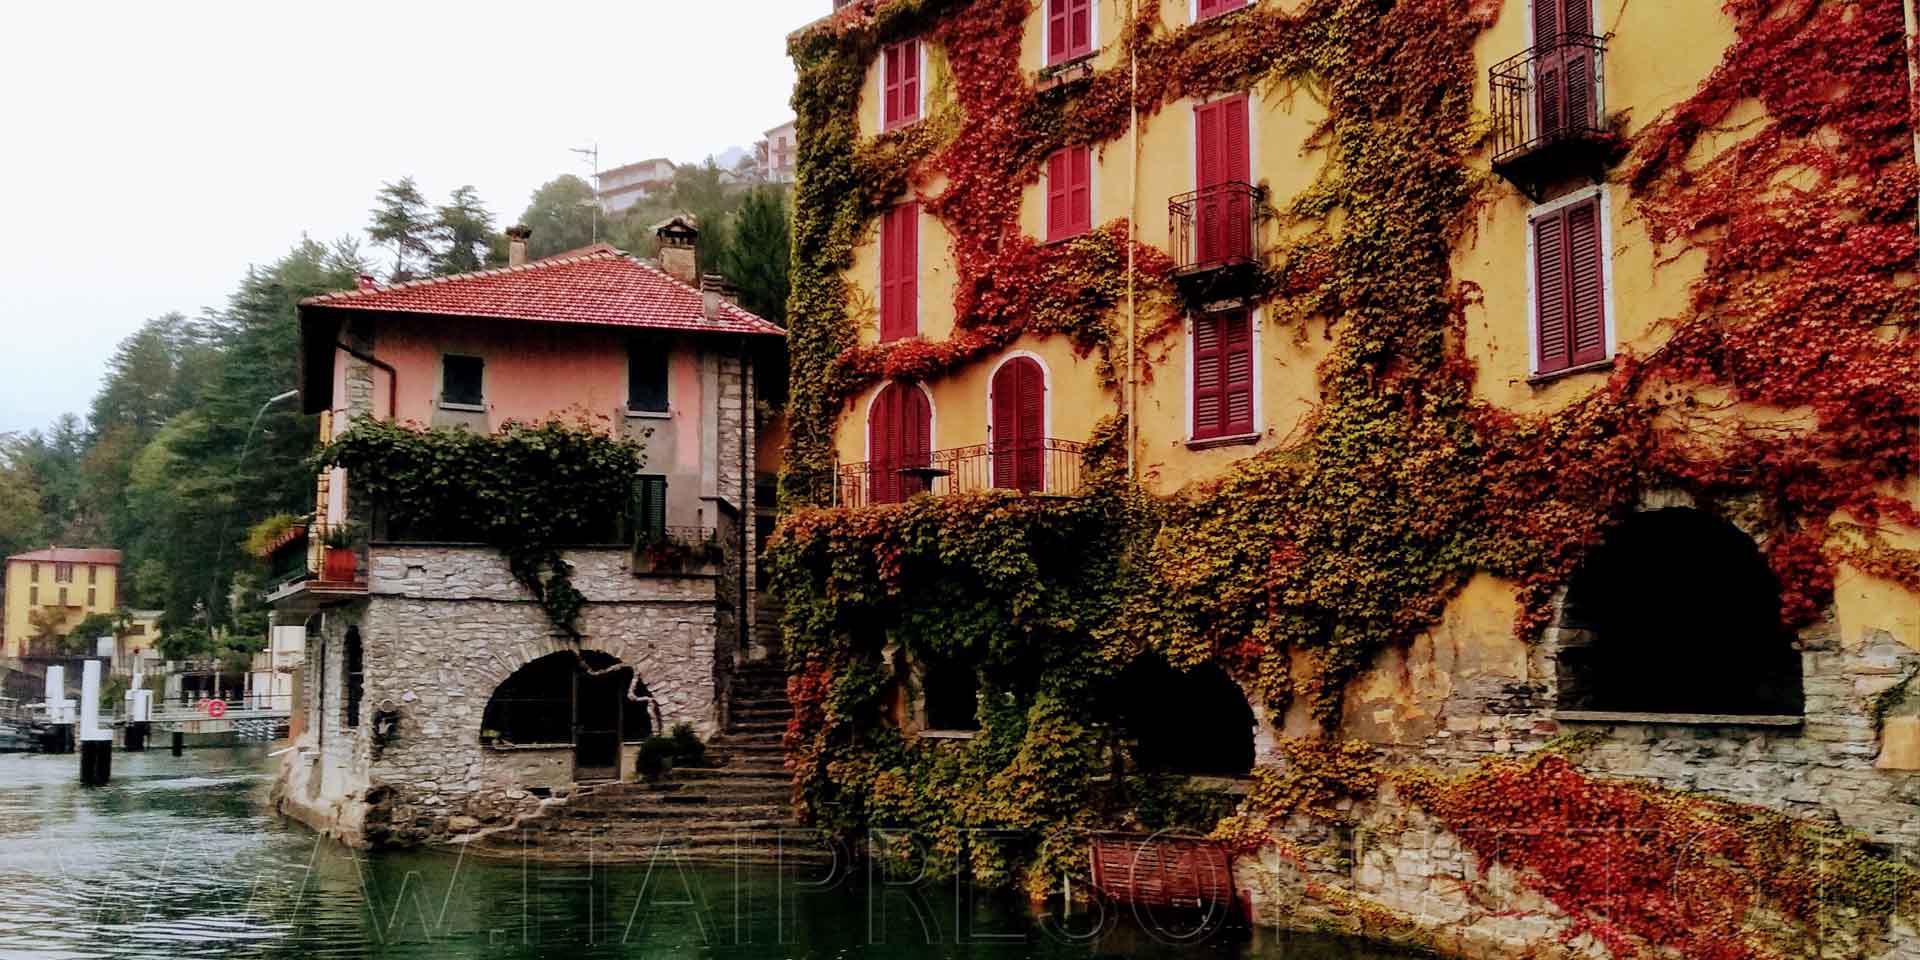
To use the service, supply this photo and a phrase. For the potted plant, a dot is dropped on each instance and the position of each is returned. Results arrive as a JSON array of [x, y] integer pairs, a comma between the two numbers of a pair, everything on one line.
[[340, 564]]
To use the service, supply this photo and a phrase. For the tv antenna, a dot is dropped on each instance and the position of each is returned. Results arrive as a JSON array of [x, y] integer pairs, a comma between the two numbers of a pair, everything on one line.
[[591, 157]]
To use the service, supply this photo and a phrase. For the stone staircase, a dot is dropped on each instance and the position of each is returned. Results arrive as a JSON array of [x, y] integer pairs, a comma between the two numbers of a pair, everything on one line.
[[737, 811]]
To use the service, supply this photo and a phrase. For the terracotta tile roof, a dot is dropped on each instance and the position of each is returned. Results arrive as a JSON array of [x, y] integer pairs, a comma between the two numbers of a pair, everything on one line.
[[71, 555], [597, 285]]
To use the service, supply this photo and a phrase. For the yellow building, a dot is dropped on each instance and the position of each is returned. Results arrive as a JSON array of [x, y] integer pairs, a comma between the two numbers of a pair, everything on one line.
[[66, 584], [1500, 371]]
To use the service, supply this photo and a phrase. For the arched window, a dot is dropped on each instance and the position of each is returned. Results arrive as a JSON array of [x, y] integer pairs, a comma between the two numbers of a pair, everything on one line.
[[544, 701], [1018, 399], [1677, 612], [899, 443], [356, 679], [1193, 721]]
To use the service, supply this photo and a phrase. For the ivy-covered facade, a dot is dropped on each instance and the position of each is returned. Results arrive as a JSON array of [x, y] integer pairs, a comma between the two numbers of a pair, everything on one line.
[[1513, 404]]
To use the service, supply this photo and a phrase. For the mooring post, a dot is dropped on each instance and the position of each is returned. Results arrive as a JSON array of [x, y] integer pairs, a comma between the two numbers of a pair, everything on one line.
[[179, 742], [59, 734], [96, 741], [139, 715]]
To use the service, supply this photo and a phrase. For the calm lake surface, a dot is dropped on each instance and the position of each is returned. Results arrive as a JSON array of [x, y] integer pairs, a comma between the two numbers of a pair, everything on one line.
[[179, 857]]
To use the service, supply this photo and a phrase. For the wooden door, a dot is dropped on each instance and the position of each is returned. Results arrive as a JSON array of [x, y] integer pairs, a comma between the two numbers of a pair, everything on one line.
[[597, 708], [899, 442], [1565, 98], [1222, 166], [1019, 404]]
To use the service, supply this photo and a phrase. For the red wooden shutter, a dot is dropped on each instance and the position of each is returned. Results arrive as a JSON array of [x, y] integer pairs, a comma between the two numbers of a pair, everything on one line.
[[900, 84], [1586, 301], [916, 437], [1059, 190], [1236, 163], [900, 272], [1019, 411], [883, 445], [1069, 193], [1208, 146], [1222, 158], [1059, 30], [1209, 415], [1550, 292], [1207, 8], [1236, 355], [889, 87], [1079, 27]]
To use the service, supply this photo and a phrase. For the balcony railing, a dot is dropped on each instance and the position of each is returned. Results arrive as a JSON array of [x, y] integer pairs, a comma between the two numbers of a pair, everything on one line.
[[1215, 227], [1044, 466], [1549, 109], [290, 558]]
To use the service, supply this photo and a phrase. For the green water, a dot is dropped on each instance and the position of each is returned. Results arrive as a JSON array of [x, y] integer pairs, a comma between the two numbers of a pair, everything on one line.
[[179, 857]]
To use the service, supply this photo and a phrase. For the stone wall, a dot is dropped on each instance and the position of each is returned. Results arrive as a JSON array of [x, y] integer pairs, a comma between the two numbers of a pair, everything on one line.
[[441, 628]]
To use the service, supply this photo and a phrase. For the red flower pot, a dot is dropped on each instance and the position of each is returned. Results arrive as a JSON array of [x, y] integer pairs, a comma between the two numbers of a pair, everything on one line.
[[340, 565]]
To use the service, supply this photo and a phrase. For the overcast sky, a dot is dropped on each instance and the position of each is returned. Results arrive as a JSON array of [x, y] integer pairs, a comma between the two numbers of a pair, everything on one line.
[[154, 150]]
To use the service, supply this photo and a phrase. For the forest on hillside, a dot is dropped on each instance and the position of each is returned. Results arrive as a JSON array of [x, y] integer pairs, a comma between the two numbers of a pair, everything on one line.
[[180, 453]]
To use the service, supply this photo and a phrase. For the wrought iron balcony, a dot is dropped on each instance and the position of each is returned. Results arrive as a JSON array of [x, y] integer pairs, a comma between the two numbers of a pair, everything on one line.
[[1550, 112], [1215, 237], [1045, 466]]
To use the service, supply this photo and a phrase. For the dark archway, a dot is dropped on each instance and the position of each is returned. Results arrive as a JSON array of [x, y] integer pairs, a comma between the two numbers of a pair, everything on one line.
[[1677, 612], [542, 702], [950, 693], [1193, 721]]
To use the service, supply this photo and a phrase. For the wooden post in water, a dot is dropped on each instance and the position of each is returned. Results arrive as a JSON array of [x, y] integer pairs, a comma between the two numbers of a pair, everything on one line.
[[96, 741]]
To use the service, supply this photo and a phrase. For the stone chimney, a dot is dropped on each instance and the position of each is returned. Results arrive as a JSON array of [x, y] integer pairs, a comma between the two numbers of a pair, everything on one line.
[[714, 289], [517, 245], [679, 237]]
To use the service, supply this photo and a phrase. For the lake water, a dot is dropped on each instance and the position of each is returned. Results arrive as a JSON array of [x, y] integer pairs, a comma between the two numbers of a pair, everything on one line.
[[180, 857]]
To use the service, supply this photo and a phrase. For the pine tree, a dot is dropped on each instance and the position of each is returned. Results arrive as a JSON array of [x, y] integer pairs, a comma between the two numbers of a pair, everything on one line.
[[464, 231], [754, 257], [402, 222]]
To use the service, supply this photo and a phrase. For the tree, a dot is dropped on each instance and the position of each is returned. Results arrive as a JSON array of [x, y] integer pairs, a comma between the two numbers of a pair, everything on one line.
[[81, 639], [402, 222], [562, 214], [463, 229], [754, 257]]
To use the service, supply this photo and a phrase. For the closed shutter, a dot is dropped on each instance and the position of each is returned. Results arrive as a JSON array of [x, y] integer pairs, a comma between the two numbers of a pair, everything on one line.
[[1019, 411], [1222, 160], [1569, 287], [1209, 415], [649, 507], [1069, 193], [899, 435], [900, 272], [1563, 72], [1236, 349], [1069, 30], [900, 84], [1207, 8]]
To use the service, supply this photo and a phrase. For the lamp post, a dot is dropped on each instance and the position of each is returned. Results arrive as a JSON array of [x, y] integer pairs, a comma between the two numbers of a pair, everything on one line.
[[220, 546]]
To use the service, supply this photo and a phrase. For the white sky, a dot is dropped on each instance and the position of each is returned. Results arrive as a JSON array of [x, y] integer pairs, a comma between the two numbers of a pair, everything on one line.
[[150, 151]]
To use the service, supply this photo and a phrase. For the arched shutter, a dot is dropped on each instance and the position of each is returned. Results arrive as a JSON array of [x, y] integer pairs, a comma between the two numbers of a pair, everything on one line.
[[899, 437], [1019, 412]]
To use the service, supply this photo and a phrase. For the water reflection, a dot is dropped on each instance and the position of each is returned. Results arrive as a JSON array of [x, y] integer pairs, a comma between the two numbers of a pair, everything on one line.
[[178, 855]]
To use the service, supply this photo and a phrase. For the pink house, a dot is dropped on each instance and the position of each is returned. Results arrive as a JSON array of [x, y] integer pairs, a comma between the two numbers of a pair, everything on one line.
[[427, 662]]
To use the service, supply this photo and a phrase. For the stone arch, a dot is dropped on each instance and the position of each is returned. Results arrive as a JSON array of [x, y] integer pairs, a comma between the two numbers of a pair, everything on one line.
[[674, 666], [1195, 721], [540, 702], [1676, 612]]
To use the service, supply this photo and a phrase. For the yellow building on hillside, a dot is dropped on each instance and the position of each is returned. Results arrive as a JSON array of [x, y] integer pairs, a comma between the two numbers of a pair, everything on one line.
[[1476, 373], [64, 585]]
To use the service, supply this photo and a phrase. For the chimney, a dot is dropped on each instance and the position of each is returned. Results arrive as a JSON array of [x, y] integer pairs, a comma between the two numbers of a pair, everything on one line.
[[714, 288], [679, 238], [365, 282], [517, 245]]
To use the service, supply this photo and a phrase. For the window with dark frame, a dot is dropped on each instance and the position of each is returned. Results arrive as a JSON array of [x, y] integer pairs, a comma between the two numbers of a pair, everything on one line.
[[649, 507], [1569, 289], [646, 376], [461, 380]]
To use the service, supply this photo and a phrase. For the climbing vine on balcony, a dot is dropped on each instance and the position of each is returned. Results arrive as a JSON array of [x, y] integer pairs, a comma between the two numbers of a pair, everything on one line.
[[1295, 568], [528, 489]]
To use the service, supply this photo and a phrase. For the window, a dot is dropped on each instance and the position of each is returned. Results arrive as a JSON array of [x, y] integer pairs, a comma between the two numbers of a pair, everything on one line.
[[1569, 287], [900, 84], [1018, 402], [1222, 374], [649, 507], [461, 379], [63, 596], [1203, 9], [900, 272], [647, 377], [899, 442], [63, 573], [36, 573], [33, 596], [93, 574], [1069, 30], [1210, 735], [356, 679], [92, 599], [1069, 193], [950, 695]]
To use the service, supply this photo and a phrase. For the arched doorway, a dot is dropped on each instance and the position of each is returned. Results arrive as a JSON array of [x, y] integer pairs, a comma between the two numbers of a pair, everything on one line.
[[950, 694], [1677, 612], [1018, 398], [899, 442], [561, 700], [1194, 721]]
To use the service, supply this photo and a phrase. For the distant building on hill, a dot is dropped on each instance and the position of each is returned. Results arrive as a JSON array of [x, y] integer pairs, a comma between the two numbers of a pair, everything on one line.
[[622, 187], [776, 154], [65, 583]]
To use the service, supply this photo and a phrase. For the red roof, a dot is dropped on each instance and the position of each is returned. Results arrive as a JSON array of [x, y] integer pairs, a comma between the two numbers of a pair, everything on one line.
[[72, 555], [599, 286]]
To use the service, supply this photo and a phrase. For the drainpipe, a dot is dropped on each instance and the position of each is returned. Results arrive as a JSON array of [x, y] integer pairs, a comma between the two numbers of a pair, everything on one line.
[[1133, 235]]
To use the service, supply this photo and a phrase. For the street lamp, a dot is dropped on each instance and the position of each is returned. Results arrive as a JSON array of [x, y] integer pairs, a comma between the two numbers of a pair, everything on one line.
[[220, 547]]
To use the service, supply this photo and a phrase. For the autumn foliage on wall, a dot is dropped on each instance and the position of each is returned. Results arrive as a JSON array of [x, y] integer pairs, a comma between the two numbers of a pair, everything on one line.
[[1296, 567]]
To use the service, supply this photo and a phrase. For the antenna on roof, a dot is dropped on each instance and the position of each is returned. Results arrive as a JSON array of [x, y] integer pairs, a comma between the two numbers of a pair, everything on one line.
[[591, 157]]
